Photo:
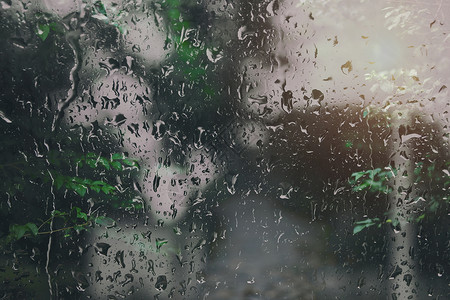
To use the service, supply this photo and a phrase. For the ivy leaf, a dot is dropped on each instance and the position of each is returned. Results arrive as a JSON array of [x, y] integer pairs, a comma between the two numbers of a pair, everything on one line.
[[33, 228], [42, 31], [17, 231]]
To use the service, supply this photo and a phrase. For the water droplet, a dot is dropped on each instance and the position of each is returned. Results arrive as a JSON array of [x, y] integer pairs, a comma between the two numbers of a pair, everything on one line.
[[161, 283], [214, 54], [102, 248], [407, 278], [287, 101], [119, 258]]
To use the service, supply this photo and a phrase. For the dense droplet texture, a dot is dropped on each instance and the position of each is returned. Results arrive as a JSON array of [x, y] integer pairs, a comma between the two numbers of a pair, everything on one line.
[[225, 149]]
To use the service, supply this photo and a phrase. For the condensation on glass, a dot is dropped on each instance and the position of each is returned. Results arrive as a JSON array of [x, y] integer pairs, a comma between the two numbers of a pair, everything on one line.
[[181, 149]]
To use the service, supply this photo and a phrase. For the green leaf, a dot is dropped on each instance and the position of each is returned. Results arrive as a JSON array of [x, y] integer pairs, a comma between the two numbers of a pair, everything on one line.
[[160, 242], [368, 221], [99, 182], [17, 231], [421, 217], [67, 233], [107, 189], [100, 8], [57, 213], [104, 162], [80, 189], [117, 156], [80, 214], [116, 165], [104, 221], [129, 162], [395, 222], [91, 162], [365, 113], [33, 228], [42, 31], [91, 155], [357, 175], [174, 14], [358, 228]]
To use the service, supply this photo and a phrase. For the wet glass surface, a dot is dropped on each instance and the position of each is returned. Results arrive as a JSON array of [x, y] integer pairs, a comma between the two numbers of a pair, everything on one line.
[[183, 149]]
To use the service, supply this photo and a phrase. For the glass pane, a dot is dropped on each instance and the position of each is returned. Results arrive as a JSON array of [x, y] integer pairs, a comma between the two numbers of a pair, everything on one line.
[[180, 149]]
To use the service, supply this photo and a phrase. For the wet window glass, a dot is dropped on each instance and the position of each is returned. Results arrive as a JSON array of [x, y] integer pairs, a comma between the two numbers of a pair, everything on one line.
[[224, 149]]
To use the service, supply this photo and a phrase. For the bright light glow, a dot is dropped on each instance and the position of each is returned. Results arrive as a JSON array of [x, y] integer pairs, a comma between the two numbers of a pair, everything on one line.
[[385, 55], [385, 52]]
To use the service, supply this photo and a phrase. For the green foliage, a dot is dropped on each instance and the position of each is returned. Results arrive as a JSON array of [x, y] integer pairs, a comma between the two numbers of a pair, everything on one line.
[[18, 231], [73, 220], [117, 161], [44, 29], [55, 163], [190, 52], [82, 185], [104, 221], [365, 113], [99, 8], [372, 180], [109, 15], [360, 225], [377, 181]]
